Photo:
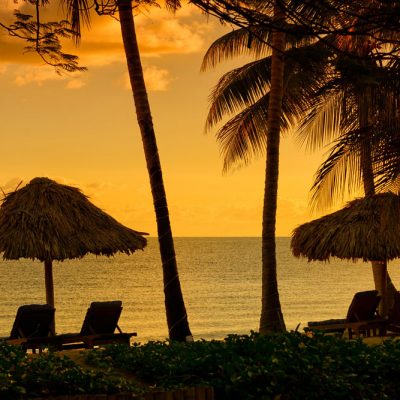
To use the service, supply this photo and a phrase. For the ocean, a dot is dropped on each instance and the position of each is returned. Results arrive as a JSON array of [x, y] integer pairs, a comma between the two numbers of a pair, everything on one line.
[[221, 284]]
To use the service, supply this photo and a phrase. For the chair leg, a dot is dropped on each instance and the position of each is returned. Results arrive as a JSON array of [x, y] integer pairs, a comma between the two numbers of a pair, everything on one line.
[[350, 333]]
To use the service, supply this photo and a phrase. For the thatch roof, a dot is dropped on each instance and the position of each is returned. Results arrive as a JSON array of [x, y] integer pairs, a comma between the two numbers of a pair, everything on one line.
[[48, 221], [367, 228]]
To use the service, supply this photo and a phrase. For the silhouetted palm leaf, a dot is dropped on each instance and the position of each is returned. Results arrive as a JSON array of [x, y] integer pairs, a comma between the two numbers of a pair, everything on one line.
[[255, 42], [78, 13], [237, 89], [245, 87], [339, 175], [335, 112], [244, 136]]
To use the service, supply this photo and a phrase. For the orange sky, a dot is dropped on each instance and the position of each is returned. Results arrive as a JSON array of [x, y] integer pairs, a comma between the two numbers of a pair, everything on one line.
[[81, 130]]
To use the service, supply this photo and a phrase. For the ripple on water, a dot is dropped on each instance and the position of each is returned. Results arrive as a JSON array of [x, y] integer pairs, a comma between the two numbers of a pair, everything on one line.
[[221, 283]]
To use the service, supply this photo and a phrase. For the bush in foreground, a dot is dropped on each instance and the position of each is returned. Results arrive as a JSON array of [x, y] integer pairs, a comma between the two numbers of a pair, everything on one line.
[[285, 366], [23, 376]]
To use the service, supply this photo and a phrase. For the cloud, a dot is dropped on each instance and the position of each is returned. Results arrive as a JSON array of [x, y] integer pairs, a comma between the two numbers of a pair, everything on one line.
[[27, 75], [99, 186], [24, 75], [161, 33], [158, 31], [7, 7], [156, 79], [75, 84]]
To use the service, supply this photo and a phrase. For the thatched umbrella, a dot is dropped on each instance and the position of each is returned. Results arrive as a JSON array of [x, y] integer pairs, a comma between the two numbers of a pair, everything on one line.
[[48, 221], [367, 228]]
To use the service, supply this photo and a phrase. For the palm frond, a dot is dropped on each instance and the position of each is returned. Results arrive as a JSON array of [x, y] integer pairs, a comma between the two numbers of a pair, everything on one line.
[[387, 165], [322, 123], [78, 14], [338, 176], [304, 75], [255, 42], [172, 5], [244, 136], [243, 86], [236, 43], [238, 88], [389, 185], [316, 13], [247, 87]]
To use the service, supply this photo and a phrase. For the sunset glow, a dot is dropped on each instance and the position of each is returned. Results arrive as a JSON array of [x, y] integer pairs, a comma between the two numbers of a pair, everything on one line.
[[81, 130]]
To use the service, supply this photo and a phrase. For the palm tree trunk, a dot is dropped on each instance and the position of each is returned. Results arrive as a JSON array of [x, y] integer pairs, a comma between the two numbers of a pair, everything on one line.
[[271, 313], [382, 281], [175, 307], [379, 270]]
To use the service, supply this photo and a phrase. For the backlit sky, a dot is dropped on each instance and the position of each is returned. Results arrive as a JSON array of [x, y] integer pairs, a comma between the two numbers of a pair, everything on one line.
[[81, 130]]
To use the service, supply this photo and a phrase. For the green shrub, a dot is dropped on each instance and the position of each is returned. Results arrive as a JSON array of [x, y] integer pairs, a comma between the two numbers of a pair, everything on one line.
[[285, 366], [23, 376]]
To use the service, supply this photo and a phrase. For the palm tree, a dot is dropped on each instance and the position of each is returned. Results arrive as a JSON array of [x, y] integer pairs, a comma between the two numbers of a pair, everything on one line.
[[357, 114], [255, 92], [174, 304], [308, 69], [357, 105], [365, 129], [271, 313]]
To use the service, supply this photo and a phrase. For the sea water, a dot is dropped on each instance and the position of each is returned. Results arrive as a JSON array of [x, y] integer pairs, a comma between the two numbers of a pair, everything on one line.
[[220, 279]]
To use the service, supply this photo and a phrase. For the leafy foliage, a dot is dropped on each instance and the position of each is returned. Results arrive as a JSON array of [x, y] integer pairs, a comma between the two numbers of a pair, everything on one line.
[[243, 93], [354, 111], [340, 98], [45, 40], [23, 376], [285, 366], [375, 21]]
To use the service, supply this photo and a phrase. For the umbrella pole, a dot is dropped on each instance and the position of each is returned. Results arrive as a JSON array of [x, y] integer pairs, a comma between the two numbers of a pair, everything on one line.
[[380, 278], [48, 277]]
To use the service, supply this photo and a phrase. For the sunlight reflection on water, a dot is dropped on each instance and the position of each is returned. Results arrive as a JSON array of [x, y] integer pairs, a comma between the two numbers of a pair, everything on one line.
[[220, 280]]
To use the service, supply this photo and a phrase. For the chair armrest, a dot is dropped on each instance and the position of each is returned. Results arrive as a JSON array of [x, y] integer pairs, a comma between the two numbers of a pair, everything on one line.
[[377, 323]]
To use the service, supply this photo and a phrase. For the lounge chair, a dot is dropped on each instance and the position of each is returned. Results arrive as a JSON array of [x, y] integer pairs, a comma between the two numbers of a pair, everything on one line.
[[393, 323], [362, 318], [33, 322], [98, 328]]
